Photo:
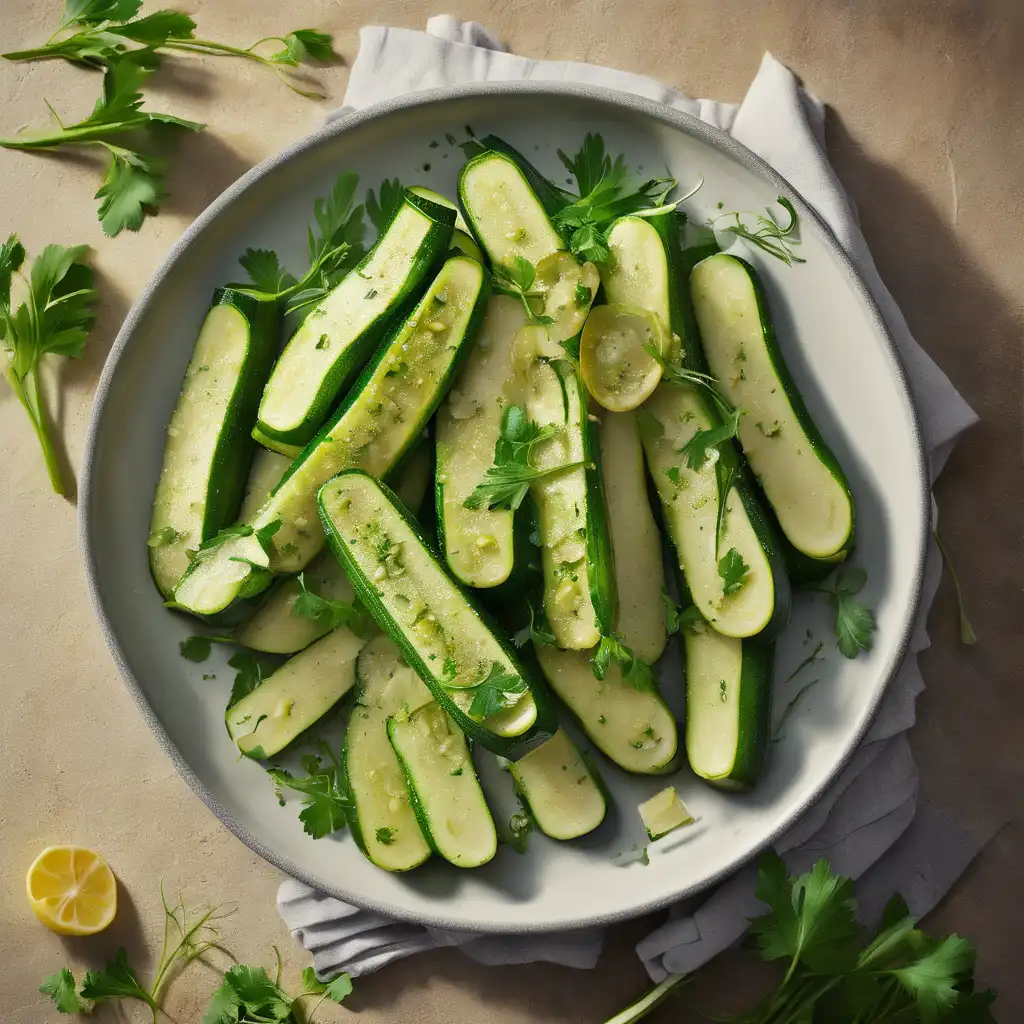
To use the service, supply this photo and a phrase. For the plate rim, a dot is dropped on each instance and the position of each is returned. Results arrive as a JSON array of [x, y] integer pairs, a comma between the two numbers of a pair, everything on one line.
[[340, 125]]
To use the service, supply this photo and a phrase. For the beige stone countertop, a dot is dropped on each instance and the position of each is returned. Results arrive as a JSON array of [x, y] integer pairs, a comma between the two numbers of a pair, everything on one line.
[[925, 129]]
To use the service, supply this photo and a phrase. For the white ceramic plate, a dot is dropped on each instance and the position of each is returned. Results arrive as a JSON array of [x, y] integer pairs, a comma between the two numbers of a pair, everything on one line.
[[839, 353]]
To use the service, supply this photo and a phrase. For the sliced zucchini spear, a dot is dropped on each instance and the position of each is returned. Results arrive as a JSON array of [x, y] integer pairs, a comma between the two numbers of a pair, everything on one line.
[[559, 788], [469, 668], [477, 542], [689, 497], [512, 225], [579, 576], [339, 333], [267, 469], [728, 705], [462, 241], [446, 794], [381, 817], [206, 461], [633, 728], [798, 473], [664, 813], [380, 419], [298, 694], [636, 542]]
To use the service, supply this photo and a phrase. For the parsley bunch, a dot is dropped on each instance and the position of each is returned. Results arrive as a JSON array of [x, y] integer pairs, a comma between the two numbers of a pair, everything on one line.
[[99, 33], [248, 996], [134, 179], [507, 482], [54, 319], [837, 974], [606, 192], [334, 249]]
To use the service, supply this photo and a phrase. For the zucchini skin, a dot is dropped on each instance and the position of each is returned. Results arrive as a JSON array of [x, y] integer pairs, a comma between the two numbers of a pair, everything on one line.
[[232, 458], [806, 567], [511, 747], [684, 324], [353, 356]]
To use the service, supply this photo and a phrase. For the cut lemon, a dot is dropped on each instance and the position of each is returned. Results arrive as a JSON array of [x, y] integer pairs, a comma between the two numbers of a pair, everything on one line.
[[617, 366], [72, 890]]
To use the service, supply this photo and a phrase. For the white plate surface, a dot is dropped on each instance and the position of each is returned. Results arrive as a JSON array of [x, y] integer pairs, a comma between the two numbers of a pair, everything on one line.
[[838, 351]]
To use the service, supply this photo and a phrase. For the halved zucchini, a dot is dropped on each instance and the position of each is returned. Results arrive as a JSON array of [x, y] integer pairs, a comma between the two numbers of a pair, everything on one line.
[[206, 461], [636, 542], [637, 272], [438, 629], [559, 788], [339, 333], [382, 416], [446, 794], [634, 728], [551, 197], [477, 543], [298, 694], [271, 444], [381, 817], [579, 577], [728, 706], [506, 216], [798, 473], [689, 499]]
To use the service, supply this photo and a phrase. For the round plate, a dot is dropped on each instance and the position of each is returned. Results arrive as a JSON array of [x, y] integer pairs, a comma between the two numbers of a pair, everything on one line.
[[844, 363]]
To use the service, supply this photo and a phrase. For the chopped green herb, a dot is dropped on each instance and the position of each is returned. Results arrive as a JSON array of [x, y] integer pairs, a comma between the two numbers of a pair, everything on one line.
[[855, 622], [162, 537], [324, 797], [771, 235], [494, 693], [385, 836], [733, 571], [517, 281]]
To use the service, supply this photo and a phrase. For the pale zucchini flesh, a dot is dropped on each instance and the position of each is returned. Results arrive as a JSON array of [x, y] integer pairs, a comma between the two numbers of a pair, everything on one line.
[[477, 543], [504, 212], [382, 417], [689, 500], [663, 813], [267, 470], [795, 468], [445, 791], [271, 444], [559, 788], [208, 451], [276, 627], [337, 335], [728, 706], [633, 728], [381, 818], [579, 583], [636, 542], [637, 273], [439, 631], [296, 696]]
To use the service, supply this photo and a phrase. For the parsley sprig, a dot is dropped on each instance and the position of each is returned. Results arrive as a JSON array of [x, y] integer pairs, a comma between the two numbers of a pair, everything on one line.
[[334, 248], [329, 614], [606, 192], [494, 693], [507, 482], [733, 571], [249, 996], [99, 33], [517, 281], [134, 181], [855, 622], [637, 673], [381, 210], [325, 799], [771, 235], [54, 319]]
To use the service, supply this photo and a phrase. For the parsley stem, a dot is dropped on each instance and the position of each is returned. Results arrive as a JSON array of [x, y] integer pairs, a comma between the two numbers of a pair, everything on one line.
[[51, 51], [93, 133], [31, 398]]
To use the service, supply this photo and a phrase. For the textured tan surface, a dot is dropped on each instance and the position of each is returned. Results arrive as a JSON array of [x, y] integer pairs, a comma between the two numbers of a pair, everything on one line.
[[922, 94]]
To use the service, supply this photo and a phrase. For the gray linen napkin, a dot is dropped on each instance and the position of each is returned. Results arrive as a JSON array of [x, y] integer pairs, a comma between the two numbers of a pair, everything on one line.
[[869, 824]]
